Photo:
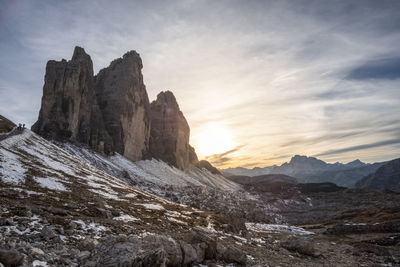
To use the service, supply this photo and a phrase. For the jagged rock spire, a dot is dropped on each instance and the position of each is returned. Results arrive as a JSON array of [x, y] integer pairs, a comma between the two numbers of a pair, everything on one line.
[[111, 112]]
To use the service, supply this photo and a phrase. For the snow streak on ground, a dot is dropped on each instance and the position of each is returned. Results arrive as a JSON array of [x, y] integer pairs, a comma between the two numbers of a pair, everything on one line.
[[277, 228], [126, 218], [29, 159], [50, 183]]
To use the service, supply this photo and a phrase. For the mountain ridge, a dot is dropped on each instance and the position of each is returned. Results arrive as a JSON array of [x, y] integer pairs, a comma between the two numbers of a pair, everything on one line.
[[386, 177], [311, 169]]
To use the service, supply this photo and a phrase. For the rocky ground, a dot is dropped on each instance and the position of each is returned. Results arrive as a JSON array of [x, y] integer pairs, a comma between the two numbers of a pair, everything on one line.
[[58, 210]]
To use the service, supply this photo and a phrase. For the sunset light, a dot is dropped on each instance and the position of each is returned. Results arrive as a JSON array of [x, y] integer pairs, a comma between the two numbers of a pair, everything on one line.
[[213, 139], [200, 133]]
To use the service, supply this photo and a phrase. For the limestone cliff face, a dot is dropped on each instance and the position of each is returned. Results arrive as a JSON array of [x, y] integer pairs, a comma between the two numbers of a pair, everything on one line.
[[169, 135], [68, 95], [110, 112], [124, 103]]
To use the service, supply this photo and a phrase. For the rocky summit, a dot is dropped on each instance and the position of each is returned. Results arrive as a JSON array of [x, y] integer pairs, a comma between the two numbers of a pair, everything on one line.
[[110, 112], [169, 135]]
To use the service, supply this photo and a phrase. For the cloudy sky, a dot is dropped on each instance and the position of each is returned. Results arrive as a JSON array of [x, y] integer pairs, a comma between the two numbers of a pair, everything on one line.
[[258, 81]]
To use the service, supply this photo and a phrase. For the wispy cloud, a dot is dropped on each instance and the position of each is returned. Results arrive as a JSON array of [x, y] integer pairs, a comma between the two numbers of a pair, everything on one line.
[[286, 77], [222, 158], [360, 147]]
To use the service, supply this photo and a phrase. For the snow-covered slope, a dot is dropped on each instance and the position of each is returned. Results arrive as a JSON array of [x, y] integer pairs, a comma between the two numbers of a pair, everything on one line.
[[153, 172], [195, 187], [47, 194], [28, 159]]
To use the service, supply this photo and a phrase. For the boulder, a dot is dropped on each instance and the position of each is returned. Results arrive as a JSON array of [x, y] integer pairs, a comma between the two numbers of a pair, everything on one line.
[[11, 257], [189, 254], [302, 245], [172, 249]]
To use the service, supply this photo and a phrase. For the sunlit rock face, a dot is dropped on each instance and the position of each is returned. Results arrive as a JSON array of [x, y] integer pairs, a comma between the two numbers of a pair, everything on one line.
[[110, 112], [124, 104], [169, 135]]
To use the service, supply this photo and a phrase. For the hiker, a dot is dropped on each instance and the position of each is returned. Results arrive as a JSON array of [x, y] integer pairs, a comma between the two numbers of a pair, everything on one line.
[[23, 126], [20, 126]]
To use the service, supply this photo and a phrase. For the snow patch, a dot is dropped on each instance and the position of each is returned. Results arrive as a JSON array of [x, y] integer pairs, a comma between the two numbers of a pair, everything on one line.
[[38, 263], [94, 227], [153, 206], [176, 220], [105, 194], [126, 218], [50, 183], [355, 224], [11, 169], [277, 228]]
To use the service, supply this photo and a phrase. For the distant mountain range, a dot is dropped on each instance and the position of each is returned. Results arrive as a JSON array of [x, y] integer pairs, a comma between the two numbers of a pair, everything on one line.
[[313, 170], [387, 177]]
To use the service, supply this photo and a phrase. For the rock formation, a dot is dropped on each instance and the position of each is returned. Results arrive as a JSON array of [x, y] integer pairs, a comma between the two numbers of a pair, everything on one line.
[[110, 112], [204, 164], [169, 135], [5, 125], [124, 104], [68, 96]]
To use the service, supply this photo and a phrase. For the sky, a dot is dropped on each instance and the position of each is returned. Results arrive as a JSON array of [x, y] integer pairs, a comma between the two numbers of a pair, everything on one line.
[[258, 81]]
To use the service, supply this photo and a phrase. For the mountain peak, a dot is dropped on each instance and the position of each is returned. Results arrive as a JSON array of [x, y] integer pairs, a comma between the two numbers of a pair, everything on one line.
[[356, 163], [168, 98], [80, 54], [167, 125], [304, 159]]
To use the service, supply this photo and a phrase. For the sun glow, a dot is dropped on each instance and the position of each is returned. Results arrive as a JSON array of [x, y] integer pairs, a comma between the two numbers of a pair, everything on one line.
[[213, 139]]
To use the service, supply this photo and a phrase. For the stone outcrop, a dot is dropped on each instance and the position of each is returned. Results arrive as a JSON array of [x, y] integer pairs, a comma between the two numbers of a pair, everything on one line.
[[204, 164], [124, 104], [110, 112], [6, 125], [68, 96], [169, 134]]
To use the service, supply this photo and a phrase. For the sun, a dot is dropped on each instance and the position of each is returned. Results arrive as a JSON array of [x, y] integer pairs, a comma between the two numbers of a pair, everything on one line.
[[213, 139]]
